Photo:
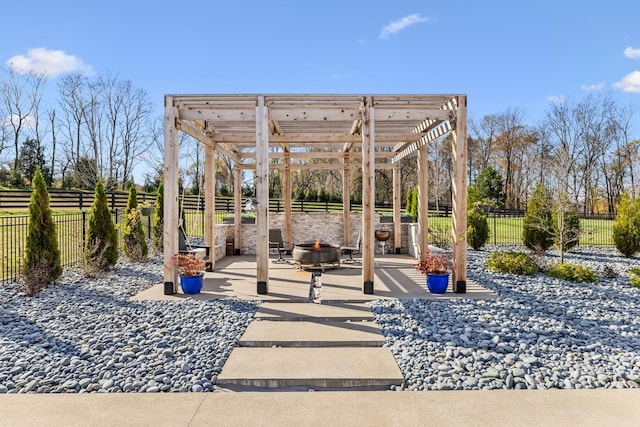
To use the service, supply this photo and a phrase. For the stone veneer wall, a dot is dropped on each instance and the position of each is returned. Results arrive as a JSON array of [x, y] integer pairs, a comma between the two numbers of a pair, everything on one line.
[[309, 226]]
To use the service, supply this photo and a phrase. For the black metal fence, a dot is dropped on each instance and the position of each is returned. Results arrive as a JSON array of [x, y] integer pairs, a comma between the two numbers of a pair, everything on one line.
[[505, 228], [71, 228]]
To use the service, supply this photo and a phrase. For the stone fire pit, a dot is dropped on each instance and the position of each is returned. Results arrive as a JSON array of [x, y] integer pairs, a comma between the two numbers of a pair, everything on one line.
[[316, 254]]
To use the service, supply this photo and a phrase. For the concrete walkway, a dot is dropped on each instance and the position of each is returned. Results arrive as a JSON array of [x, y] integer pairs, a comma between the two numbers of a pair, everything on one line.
[[369, 408], [303, 346]]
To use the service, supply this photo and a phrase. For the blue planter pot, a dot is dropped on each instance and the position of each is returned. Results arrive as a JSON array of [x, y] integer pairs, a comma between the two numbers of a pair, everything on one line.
[[438, 283], [191, 284]]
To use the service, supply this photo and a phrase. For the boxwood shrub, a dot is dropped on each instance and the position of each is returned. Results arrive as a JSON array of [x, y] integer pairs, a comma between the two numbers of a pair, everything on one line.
[[572, 272], [511, 262]]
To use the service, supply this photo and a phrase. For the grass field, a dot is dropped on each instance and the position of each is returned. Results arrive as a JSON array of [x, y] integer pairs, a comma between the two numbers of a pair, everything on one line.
[[13, 231]]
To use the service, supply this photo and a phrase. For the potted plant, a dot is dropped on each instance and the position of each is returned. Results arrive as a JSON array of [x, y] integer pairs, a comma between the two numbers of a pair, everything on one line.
[[191, 272], [437, 267]]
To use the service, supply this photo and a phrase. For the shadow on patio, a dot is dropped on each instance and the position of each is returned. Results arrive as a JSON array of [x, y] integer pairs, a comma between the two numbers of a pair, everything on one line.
[[395, 278]]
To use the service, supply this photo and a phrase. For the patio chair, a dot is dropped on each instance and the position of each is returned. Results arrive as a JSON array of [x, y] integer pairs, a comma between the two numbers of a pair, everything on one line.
[[188, 248], [350, 250], [276, 242]]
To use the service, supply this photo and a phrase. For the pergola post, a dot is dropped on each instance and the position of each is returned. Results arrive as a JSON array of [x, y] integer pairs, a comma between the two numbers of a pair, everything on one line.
[[170, 231], [459, 197], [237, 209], [288, 233], [423, 199], [346, 201], [397, 208], [262, 194], [368, 195], [210, 202]]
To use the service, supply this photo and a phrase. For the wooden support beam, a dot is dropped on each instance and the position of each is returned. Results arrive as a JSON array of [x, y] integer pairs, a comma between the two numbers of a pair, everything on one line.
[[262, 194], [237, 209], [170, 231], [459, 197], [368, 196], [431, 135], [346, 202], [423, 199], [397, 209], [413, 114], [288, 232], [210, 203], [313, 114], [218, 115]]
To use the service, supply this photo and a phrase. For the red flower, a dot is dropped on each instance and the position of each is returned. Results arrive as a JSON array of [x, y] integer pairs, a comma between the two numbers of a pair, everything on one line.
[[188, 264], [433, 263]]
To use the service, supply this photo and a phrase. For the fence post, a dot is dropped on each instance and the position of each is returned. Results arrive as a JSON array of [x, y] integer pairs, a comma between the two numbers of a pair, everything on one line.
[[495, 230], [113, 203], [80, 200], [84, 227]]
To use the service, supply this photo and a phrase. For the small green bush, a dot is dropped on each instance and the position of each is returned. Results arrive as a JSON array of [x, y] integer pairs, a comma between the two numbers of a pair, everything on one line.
[[42, 263], [134, 244], [477, 228], [101, 241], [511, 262], [572, 272], [158, 220], [537, 225], [634, 277], [625, 230]]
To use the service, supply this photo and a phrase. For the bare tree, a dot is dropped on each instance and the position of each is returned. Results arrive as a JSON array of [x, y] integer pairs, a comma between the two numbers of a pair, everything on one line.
[[512, 142], [21, 94], [73, 91]]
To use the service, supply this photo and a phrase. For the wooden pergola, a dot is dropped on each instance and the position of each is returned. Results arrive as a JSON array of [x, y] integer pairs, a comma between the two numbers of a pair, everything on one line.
[[263, 132]]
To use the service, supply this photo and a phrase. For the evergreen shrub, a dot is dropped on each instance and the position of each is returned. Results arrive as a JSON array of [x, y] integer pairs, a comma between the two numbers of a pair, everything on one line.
[[537, 225], [572, 272], [511, 262], [477, 228], [626, 235], [101, 242], [42, 263]]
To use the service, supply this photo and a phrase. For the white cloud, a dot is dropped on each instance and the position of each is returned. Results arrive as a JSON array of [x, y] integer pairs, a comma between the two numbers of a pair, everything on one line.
[[631, 52], [557, 99], [14, 120], [401, 24], [593, 87], [629, 83], [48, 62]]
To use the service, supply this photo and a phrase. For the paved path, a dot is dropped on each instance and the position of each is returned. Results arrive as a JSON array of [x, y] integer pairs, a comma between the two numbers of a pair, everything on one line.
[[305, 346], [618, 408]]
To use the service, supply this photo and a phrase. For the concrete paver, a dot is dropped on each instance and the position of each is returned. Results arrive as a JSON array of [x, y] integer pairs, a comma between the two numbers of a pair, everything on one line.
[[312, 334], [314, 312], [322, 368]]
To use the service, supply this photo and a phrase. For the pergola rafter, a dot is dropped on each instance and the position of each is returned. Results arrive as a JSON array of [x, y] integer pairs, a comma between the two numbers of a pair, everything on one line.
[[291, 132]]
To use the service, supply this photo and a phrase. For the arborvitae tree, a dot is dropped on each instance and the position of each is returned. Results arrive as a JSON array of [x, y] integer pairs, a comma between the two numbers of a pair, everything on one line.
[[134, 246], [41, 263], [408, 201], [537, 226], [414, 205], [626, 234], [566, 225], [158, 219], [101, 243], [477, 228]]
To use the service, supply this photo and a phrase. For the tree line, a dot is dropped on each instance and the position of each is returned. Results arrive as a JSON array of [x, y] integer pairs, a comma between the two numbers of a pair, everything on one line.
[[102, 127], [97, 128]]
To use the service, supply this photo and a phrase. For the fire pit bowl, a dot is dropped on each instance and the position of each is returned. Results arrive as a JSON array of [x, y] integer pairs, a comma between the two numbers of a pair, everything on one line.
[[315, 253], [382, 235]]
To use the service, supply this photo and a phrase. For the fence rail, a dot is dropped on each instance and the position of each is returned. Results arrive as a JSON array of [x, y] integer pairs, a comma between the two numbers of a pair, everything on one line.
[[504, 229]]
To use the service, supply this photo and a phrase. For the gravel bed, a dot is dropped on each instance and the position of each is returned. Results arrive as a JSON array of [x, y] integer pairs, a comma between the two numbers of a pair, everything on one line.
[[540, 333], [83, 335]]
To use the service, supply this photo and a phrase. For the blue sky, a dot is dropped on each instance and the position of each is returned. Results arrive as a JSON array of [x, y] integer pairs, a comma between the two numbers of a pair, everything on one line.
[[501, 53]]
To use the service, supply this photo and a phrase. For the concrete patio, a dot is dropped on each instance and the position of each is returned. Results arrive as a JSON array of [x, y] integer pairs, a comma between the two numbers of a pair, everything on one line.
[[395, 277]]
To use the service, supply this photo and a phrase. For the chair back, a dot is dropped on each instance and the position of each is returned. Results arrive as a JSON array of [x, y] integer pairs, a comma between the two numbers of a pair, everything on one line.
[[275, 237]]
